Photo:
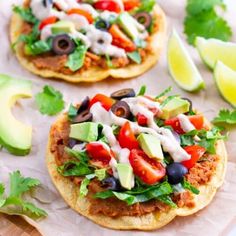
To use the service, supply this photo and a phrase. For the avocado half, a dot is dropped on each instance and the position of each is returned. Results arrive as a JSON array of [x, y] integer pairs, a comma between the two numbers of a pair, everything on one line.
[[14, 136]]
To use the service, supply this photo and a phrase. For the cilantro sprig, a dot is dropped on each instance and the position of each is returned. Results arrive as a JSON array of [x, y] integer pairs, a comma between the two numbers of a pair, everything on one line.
[[14, 203], [49, 101], [226, 116], [203, 20]]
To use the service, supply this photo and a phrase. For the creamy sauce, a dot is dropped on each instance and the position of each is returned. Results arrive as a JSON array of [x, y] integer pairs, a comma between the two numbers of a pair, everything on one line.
[[107, 15], [99, 42], [166, 137], [185, 123]]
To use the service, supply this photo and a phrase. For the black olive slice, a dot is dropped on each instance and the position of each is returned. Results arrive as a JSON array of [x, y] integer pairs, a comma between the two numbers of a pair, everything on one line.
[[84, 105], [144, 18], [191, 104], [121, 109], [72, 142], [102, 25], [84, 116], [123, 93], [63, 45]]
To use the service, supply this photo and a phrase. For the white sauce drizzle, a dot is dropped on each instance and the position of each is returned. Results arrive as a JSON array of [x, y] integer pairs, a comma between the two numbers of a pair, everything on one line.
[[185, 123]]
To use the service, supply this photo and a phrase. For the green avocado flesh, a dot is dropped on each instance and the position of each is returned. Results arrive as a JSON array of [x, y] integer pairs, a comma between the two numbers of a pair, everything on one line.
[[14, 136]]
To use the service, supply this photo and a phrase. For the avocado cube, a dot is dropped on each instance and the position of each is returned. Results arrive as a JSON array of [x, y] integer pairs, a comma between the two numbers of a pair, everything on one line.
[[62, 27], [175, 107], [126, 176], [127, 23], [86, 132], [151, 146]]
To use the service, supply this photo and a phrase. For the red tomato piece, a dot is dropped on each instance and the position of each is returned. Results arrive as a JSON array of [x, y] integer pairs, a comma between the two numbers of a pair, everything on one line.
[[196, 152], [127, 138], [142, 119], [107, 5], [97, 152], [131, 4], [106, 102], [196, 120], [120, 39], [81, 12], [47, 21], [148, 170]]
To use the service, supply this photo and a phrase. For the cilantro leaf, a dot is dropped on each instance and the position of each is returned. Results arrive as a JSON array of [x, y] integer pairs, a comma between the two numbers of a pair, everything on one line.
[[27, 206], [14, 204], [206, 24], [49, 101], [195, 7], [135, 56], [226, 116], [26, 14], [20, 185], [76, 59], [100, 174], [142, 91], [72, 112]]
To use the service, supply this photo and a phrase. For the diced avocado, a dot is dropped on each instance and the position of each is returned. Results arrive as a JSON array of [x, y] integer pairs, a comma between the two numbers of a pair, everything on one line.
[[15, 136], [86, 132], [126, 176], [126, 21], [175, 107], [151, 146], [62, 27]]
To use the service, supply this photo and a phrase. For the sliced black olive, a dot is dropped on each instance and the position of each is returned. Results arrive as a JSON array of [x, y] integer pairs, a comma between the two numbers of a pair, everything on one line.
[[72, 142], [144, 18], [191, 104], [84, 116], [47, 3], [102, 25], [84, 105], [176, 172], [63, 44], [121, 109], [111, 183], [123, 93]]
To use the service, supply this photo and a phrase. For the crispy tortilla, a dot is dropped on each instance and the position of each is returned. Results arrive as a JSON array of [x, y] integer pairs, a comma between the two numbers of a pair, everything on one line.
[[151, 221], [94, 74]]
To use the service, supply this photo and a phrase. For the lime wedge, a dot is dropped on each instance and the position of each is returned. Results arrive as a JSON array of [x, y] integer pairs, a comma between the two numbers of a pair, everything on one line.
[[181, 66], [213, 50], [225, 79]]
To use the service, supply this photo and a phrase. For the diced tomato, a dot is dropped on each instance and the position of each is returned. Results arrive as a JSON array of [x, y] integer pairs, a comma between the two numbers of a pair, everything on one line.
[[97, 152], [131, 4], [142, 119], [107, 5], [196, 120], [120, 39], [148, 170], [106, 102], [47, 21], [127, 138], [196, 152], [81, 12]]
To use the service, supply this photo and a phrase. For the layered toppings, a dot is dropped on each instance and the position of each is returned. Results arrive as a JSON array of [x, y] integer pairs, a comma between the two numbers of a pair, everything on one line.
[[110, 33], [136, 151]]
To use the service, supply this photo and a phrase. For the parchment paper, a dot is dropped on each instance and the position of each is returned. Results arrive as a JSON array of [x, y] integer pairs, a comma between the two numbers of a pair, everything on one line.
[[218, 218]]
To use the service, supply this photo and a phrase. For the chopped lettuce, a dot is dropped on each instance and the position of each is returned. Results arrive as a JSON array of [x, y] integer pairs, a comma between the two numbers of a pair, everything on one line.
[[76, 59], [38, 47], [72, 112], [186, 185], [84, 187], [146, 6], [26, 14]]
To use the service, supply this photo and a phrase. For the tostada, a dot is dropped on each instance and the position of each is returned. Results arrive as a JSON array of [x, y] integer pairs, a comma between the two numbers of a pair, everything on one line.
[[88, 40], [133, 161]]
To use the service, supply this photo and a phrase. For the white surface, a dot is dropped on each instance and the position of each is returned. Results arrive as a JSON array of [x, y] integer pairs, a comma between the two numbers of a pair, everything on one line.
[[217, 219]]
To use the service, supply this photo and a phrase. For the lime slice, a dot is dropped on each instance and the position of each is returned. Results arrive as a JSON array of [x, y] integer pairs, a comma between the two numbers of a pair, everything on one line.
[[226, 82], [213, 50], [181, 66]]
